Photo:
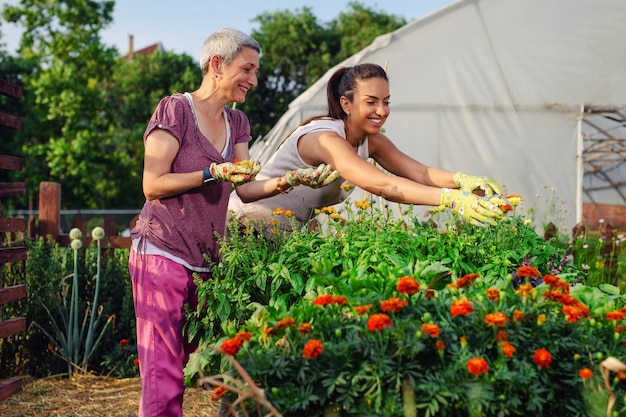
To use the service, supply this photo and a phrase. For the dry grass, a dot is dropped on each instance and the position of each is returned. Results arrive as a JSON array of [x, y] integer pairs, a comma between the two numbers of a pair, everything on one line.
[[89, 395]]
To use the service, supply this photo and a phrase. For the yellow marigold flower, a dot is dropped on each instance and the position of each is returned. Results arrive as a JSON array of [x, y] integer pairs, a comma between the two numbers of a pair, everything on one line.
[[274, 222], [362, 204], [346, 186], [514, 199], [337, 217], [288, 213], [328, 210], [277, 211], [274, 231], [541, 319]]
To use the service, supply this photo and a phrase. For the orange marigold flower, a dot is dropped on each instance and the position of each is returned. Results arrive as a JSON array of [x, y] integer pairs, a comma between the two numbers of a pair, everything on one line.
[[612, 315], [585, 373], [393, 304], [218, 392], [527, 271], [323, 300], [269, 331], [542, 358], [573, 313], [312, 349], [541, 319], [288, 213], [518, 316], [477, 366], [407, 285], [461, 307], [274, 231], [493, 294], [277, 211], [440, 345], [501, 335], [363, 309], [136, 362], [243, 336], [231, 346], [340, 300], [465, 280], [507, 349], [506, 207], [377, 322], [525, 290], [496, 319], [286, 322], [123, 342], [304, 328], [621, 376], [327, 299], [431, 329]]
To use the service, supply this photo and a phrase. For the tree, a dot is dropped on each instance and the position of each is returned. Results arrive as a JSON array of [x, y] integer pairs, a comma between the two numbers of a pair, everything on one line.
[[66, 134], [136, 88], [298, 50]]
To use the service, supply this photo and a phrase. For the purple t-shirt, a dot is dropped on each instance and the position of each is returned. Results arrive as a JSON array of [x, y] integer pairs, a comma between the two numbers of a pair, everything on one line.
[[184, 225]]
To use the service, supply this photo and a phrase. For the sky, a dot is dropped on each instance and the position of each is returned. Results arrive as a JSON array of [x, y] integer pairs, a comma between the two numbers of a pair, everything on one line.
[[182, 26]]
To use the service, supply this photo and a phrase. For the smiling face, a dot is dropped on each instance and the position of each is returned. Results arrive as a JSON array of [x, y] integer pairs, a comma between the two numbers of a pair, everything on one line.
[[369, 107], [240, 75]]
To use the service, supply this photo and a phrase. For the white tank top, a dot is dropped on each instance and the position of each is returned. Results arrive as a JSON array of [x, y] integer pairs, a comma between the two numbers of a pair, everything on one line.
[[302, 200]]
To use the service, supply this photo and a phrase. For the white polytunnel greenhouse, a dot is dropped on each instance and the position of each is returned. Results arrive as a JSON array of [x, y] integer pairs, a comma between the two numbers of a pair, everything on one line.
[[530, 93]]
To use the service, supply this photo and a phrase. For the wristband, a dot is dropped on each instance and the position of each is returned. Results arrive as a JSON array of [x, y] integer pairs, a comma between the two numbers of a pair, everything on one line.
[[206, 176]]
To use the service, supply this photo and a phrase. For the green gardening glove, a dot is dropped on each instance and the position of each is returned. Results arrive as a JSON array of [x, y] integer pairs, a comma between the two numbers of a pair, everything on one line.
[[312, 177], [475, 210], [236, 172], [470, 183]]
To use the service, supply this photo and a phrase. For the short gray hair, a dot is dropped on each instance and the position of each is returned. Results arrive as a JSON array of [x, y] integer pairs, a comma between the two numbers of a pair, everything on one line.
[[226, 43]]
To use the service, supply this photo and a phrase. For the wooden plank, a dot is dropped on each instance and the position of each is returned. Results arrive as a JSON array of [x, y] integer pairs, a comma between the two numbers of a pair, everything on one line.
[[12, 224], [11, 163], [10, 121], [12, 189], [10, 387], [12, 326], [13, 254], [10, 89], [13, 293]]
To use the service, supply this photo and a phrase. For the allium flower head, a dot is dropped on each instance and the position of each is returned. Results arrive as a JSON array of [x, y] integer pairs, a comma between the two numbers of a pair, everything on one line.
[[76, 244], [75, 233], [97, 233]]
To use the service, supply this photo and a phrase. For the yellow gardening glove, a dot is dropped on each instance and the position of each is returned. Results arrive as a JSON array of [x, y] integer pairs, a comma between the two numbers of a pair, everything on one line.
[[236, 172], [474, 209], [471, 183], [312, 177]]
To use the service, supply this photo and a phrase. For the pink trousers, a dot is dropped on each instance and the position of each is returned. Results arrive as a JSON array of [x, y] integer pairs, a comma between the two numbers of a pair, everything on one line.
[[161, 288]]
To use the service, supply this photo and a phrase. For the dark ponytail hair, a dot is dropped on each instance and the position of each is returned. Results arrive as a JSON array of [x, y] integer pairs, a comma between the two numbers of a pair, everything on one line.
[[343, 83]]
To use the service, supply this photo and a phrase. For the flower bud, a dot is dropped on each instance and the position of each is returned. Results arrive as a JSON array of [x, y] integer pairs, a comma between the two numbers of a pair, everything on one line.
[[75, 233], [97, 233]]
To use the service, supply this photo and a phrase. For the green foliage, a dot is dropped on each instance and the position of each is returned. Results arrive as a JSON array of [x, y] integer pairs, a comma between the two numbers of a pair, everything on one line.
[[271, 286], [30, 352], [259, 272], [298, 49]]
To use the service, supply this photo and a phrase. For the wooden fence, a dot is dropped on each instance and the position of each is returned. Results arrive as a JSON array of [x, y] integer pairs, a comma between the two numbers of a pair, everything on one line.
[[49, 221], [9, 251]]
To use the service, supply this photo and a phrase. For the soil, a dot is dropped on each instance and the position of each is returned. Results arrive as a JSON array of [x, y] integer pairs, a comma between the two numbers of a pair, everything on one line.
[[93, 396]]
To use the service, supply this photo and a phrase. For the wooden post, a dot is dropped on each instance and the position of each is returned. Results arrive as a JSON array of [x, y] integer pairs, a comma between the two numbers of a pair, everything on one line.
[[49, 209]]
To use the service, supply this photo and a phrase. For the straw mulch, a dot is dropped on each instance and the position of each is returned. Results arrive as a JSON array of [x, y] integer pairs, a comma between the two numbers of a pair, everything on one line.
[[93, 396]]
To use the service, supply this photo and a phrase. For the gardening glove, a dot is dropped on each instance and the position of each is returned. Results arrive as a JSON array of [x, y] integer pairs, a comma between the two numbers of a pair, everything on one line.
[[470, 183], [312, 177], [474, 209], [236, 172]]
